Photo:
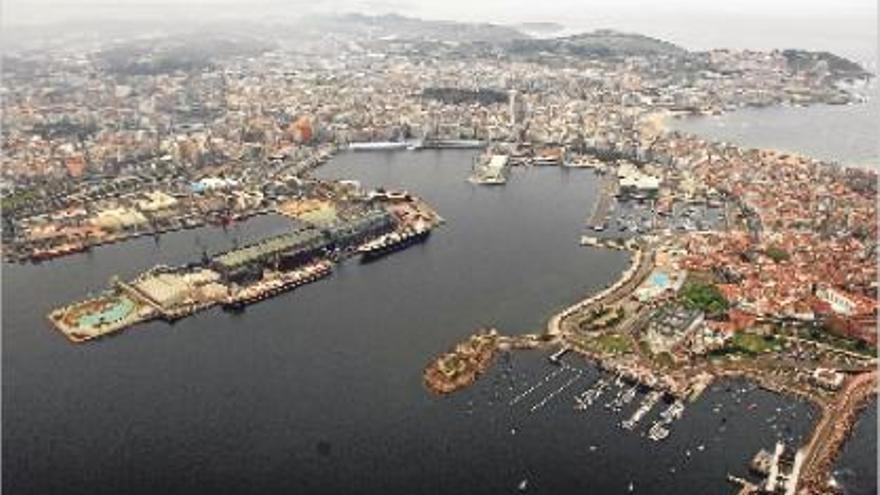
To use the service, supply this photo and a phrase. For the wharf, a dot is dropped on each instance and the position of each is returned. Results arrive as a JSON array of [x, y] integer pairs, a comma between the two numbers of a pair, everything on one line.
[[603, 202]]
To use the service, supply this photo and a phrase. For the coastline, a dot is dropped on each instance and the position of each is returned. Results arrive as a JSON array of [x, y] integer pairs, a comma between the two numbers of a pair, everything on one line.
[[664, 122]]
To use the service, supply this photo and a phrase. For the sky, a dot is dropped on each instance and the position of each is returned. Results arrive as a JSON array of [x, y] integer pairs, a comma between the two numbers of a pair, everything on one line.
[[848, 27]]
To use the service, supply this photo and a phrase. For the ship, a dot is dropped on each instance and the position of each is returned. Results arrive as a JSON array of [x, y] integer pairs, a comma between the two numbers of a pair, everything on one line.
[[394, 241], [378, 146], [658, 432], [283, 283]]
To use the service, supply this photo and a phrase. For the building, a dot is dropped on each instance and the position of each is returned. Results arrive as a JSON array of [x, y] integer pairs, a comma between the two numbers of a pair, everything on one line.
[[670, 326], [634, 183], [348, 233], [282, 251], [827, 378], [844, 303]]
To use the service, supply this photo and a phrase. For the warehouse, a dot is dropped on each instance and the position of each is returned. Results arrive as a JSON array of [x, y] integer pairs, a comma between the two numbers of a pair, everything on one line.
[[283, 251]]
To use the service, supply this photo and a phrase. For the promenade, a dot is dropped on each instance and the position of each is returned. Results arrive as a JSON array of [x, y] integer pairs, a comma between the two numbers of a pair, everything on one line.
[[642, 264]]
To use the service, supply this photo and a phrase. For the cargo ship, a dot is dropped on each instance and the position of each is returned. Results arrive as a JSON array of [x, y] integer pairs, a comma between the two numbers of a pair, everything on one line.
[[378, 146], [394, 241], [280, 283]]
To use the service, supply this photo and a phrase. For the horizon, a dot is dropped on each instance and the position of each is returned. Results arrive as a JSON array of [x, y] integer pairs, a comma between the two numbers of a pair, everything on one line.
[[847, 28]]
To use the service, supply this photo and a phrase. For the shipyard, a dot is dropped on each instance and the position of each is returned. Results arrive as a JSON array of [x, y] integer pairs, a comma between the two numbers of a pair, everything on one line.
[[337, 221]]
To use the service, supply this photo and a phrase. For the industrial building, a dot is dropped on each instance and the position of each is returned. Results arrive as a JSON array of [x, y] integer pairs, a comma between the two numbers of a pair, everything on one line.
[[295, 248], [247, 263], [371, 223]]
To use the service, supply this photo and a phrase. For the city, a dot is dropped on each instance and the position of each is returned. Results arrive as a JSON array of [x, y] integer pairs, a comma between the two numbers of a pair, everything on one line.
[[739, 263]]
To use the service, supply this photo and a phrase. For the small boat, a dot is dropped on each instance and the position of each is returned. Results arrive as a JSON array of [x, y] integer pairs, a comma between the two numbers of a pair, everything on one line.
[[523, 485], [631, 487]]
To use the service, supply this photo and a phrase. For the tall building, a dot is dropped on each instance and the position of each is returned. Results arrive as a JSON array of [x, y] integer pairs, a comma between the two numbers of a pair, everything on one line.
[[513, 106]]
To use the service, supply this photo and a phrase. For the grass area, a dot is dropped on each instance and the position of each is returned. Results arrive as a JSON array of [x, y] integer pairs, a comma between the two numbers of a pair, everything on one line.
[[664, 359], [705, 297], [601, 319], [18, 199], [613, 343], [607, 343], [777, 254], [749, 344]]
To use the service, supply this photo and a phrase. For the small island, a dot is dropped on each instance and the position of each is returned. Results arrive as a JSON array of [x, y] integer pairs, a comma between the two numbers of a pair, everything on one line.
[[461, 367]]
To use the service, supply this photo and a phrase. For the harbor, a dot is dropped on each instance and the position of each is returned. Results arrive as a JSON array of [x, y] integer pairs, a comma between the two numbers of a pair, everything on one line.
[[374, 224], [303, 343]]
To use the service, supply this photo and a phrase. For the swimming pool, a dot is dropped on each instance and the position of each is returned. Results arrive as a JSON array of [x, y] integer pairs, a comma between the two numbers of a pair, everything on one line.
[[110, 314]]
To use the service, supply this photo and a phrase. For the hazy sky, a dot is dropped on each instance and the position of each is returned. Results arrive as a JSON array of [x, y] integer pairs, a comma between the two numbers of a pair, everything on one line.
[[845, 26]]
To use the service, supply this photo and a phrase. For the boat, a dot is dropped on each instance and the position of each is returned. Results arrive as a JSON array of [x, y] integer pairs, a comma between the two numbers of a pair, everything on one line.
[[658, 432], [523, 485], [377, 146], [673, 412], [394, 241]]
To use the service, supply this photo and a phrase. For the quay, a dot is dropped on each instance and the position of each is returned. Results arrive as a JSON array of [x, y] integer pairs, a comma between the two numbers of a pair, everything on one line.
[[490, 170], [245, 275], [833, 429], [604, 202], [556, 356]]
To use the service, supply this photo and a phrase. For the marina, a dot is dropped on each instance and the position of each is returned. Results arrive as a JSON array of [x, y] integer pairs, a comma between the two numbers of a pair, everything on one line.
[[650, 401], [280, 352]]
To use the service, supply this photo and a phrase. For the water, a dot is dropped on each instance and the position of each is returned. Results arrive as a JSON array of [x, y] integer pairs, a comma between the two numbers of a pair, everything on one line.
[[320, 390], [843, 133], [856, 469]]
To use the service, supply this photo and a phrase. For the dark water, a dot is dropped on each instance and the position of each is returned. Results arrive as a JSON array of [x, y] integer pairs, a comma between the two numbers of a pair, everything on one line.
[[857, 467], [319, 390], [843, 133]]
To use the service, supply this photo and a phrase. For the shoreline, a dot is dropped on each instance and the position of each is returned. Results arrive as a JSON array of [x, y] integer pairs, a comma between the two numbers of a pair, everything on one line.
[[662, 122]]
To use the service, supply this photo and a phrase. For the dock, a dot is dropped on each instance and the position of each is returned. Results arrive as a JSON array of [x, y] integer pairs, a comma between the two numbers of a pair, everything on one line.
[[491, 170], [556, 356], [650, 401]]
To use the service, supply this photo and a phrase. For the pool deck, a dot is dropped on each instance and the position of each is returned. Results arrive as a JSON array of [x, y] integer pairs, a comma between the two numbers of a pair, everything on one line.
[[89, 324]]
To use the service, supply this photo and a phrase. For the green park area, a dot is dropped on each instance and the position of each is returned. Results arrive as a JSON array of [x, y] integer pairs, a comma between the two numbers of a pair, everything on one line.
[[612, 343], [705, 297]]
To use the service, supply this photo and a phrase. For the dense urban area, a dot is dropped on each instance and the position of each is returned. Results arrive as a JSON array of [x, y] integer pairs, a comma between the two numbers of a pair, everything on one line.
[[744, 262]]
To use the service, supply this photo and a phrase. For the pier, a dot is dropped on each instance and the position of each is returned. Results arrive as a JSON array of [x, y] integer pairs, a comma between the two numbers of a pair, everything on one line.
[[556, 392], [596, 220], [490, 170], [833, 429], [650, 401], [556, 356]]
